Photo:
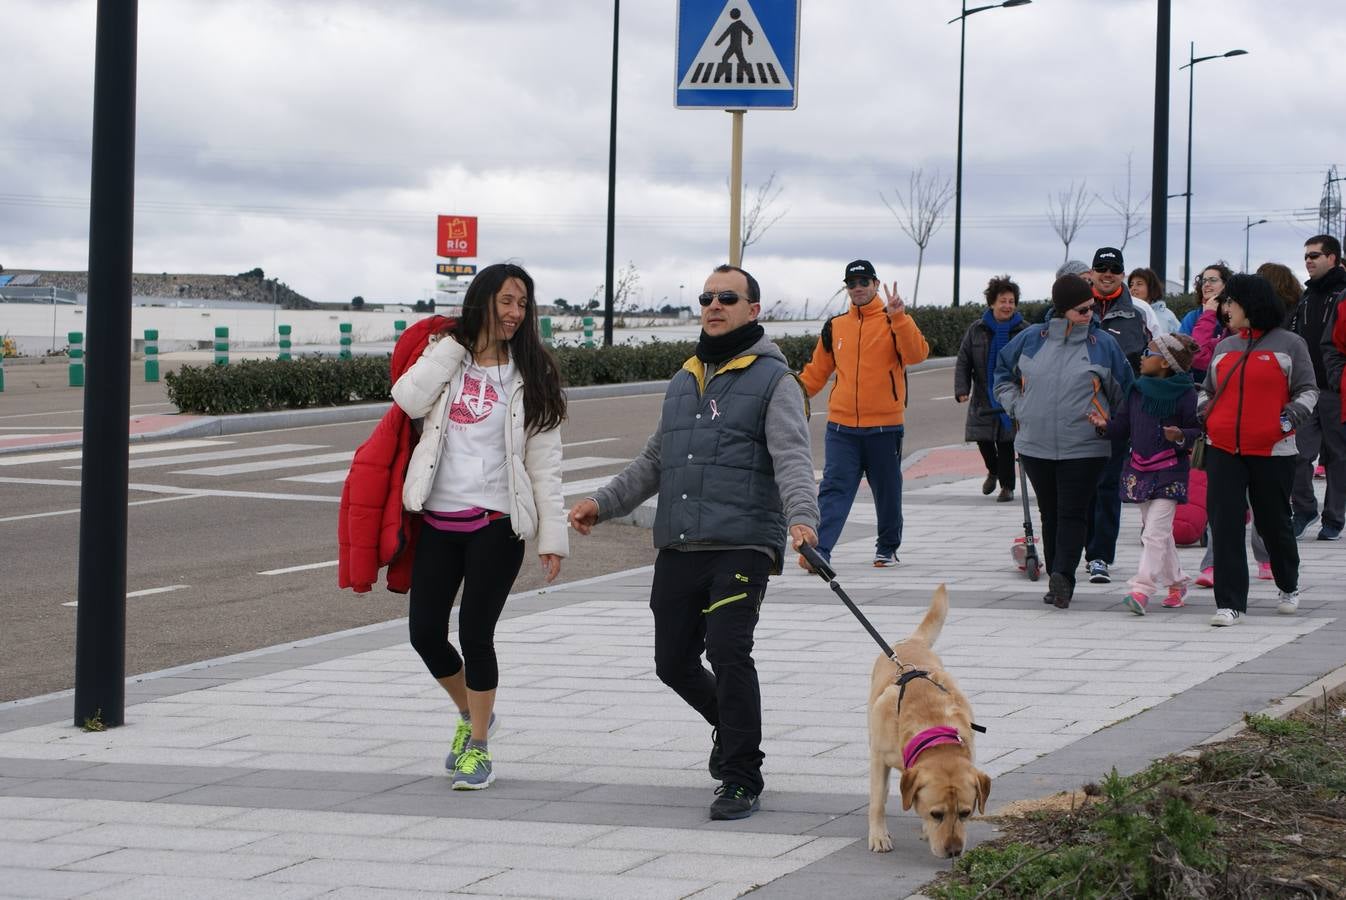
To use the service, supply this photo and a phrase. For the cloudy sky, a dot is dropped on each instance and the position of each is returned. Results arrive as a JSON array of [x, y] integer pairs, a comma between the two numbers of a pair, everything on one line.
[[319, 140]]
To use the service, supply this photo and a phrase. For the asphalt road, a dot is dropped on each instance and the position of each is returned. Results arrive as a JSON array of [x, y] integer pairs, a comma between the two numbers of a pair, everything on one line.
[[228, 552]]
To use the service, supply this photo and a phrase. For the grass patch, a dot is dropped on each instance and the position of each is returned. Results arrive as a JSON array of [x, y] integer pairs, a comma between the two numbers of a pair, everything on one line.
[[1262, 815]]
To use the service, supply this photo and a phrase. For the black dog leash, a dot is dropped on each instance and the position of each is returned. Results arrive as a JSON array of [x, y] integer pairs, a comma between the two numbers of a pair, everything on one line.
[[823, 569]]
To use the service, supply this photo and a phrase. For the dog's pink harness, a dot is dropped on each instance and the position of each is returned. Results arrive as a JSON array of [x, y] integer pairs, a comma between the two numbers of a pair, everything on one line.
[[931, 737]]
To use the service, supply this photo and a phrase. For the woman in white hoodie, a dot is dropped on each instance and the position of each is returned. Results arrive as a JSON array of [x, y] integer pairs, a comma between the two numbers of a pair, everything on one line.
[[485, 476]]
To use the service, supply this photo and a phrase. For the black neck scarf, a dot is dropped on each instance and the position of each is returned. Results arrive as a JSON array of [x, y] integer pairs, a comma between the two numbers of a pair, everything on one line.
[[717, 349]]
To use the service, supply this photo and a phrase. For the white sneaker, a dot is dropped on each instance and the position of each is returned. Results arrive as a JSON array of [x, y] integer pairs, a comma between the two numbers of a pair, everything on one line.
[[885, 561], [1287, 602], [1225, 617]]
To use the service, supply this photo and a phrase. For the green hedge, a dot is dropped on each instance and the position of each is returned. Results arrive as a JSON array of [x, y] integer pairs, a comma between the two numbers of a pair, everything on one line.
[[257, 385]]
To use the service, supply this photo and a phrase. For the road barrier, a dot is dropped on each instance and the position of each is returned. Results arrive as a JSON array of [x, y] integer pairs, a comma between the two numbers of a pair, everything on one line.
[[588, 331], [345, 340], [284, 342], [546, 330], [151, 355], [399, 326], [221, 345], [76, 353]]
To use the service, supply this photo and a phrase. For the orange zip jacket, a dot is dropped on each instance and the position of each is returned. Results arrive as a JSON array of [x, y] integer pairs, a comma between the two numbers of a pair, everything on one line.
[[869, 350]]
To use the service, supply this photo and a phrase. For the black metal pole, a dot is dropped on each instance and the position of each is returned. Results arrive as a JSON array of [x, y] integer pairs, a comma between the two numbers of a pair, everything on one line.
[[612, 186], [1187, 220], [100, 629], [958, 177], [1159, 180]]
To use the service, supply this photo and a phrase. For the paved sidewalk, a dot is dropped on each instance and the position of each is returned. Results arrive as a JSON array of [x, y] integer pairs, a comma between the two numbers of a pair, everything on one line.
[[315, 769]]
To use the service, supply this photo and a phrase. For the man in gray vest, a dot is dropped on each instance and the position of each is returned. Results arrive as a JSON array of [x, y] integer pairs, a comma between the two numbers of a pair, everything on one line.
[[731, 463]]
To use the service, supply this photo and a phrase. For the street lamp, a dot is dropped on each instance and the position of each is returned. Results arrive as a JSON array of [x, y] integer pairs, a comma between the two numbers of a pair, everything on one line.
[[1192, 60], [1248, 224], [958, 178]]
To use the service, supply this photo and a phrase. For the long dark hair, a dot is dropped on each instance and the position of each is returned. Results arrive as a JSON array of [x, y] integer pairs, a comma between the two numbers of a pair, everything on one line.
[[544, 404]]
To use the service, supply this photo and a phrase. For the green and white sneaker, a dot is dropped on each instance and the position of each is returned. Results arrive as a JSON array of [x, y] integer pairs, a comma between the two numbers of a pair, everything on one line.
[[474, 770], [461, 735]]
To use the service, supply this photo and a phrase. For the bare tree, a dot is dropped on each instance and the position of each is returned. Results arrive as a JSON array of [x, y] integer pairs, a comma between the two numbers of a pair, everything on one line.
[[1068, 211], [1130, 212], [921, 213], [757, 218], [623, 295]]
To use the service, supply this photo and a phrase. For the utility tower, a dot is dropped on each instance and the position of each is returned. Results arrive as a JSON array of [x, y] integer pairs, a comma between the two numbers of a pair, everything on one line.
[[1329, 207]]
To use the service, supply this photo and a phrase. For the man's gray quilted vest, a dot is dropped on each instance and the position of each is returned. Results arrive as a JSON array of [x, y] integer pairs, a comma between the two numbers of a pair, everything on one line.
[[716, 483]]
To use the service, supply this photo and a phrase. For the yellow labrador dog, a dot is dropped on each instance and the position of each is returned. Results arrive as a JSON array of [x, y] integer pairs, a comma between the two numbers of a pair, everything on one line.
[[926, 732]]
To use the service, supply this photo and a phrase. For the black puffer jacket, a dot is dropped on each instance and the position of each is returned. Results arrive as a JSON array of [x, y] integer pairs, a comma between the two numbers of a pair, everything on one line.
[[972, 378]]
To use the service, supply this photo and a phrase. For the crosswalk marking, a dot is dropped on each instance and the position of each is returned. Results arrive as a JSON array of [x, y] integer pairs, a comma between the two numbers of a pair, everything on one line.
[[21, 459], [590, 462], [219, 454], [333, 476], [269, 464]]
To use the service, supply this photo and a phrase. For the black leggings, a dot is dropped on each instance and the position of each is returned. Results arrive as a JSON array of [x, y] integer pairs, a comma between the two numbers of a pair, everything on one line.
[[484, 563], [999, 459]]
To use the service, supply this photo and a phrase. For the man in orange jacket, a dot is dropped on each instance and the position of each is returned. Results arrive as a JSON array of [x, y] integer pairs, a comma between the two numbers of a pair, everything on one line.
[[869, 347]]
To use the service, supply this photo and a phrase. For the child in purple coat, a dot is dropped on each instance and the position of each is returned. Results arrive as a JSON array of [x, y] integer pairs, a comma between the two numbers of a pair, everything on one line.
[[1159, 417]]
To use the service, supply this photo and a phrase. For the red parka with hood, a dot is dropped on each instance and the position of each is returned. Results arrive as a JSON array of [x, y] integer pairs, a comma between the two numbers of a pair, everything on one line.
[[372, 529]]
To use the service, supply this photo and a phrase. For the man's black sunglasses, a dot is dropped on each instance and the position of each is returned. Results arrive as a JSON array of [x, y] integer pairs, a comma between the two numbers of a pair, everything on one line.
[[1115, 270], [861, 281], [726, 298]]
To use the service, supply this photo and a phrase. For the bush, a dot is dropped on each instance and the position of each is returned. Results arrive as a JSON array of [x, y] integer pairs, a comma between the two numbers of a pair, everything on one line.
[[255, 385]]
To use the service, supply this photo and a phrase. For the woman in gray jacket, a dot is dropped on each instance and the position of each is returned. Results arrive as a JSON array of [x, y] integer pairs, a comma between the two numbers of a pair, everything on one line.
[[1048, 380], [987, 424]]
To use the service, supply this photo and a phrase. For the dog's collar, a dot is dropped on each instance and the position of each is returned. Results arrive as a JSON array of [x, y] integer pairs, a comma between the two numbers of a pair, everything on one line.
[[931, 737]]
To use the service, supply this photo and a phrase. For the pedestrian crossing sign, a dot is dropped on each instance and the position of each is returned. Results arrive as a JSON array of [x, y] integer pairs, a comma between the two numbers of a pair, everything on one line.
[[739, 54]]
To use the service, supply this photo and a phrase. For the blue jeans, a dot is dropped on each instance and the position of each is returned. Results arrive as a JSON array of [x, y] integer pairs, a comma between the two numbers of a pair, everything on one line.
[[876, 454]]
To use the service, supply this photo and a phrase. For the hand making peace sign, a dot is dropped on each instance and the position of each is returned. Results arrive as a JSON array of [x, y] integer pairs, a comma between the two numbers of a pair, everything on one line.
[[893, 300]]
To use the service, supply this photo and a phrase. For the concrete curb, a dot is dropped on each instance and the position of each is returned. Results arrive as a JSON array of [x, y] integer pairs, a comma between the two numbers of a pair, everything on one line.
[[1312, 696]]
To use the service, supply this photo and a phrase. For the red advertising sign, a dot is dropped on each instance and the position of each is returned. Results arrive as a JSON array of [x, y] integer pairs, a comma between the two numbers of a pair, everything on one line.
[[457, 236]]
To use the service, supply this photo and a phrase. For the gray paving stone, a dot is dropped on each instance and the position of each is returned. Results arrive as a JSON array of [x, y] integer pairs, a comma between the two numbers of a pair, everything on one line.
[[163, 774], [40, 883], [461, 804], [530, 883], [165, 887], [179, 862], [308, 821], [134, 813], [88, 789], [45, 855], [161, 837], [284, 798], [547, 859], [358, 873], [40, 768], [351, 847], [353, 782]]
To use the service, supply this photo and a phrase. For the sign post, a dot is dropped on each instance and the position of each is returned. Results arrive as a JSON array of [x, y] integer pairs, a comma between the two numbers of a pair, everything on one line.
[[735, 56], [456, 237]]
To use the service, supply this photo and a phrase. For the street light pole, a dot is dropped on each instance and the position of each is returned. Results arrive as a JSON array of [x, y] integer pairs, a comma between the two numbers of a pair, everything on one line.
[[1248, 225], [612, 186], [1159, 173], [961, 19], [1192, 60]]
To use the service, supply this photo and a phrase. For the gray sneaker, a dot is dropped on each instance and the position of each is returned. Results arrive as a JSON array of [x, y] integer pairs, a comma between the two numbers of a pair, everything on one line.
[[474, 770], [1287, 602], [1098, 572], [461, 735]]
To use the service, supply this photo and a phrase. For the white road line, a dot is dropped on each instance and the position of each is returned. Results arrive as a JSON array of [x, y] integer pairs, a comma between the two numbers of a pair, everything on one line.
[[145, 593], [950, 397], [134, 450], [590, 462], [335, 476], [305, 568], [269, 464], [571, 488], [586, 443], [174, 489], [75, 512], [236, 453]]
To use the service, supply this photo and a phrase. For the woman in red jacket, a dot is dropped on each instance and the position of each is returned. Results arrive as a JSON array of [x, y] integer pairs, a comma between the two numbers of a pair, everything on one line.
[[1259, 387]]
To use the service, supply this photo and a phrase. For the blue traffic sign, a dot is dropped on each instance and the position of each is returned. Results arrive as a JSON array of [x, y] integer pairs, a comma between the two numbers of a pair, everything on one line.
[[737, 54]]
